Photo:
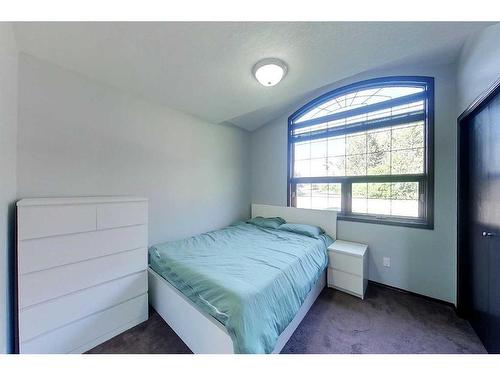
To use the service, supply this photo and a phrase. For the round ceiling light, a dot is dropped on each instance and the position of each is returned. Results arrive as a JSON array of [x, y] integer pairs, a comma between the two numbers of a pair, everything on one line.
[[269, 72]]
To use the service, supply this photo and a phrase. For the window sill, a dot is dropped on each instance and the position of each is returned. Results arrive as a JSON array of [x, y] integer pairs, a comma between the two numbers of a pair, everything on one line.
[[400, 222]]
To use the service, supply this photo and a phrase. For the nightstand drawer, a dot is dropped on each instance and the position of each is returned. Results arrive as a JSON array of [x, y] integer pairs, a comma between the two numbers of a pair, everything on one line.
[[346, 282], [346, 263]]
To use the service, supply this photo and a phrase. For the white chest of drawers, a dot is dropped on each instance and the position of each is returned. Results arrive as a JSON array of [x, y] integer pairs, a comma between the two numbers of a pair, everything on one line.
[[81, 271], [348, 267]]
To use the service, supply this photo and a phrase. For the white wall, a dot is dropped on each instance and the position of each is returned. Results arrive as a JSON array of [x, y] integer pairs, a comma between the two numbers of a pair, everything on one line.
[[478, 65], [8, 121], [78, 137], [422, 261]]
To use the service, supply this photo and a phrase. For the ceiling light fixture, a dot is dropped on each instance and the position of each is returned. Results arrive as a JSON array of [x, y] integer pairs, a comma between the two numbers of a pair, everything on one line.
[[269, 72]]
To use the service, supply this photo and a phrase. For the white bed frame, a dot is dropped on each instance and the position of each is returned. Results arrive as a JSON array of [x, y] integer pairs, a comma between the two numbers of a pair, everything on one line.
[[200, 331]]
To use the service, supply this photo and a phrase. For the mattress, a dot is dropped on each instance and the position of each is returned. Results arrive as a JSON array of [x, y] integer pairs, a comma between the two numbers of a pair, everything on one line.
[[251, 279]]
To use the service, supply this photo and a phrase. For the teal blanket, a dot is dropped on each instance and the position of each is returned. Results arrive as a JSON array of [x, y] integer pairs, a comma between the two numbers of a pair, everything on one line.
[[252, 280]]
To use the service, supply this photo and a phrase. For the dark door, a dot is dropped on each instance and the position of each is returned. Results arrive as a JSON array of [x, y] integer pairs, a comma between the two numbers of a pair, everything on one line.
[[493, 225], [478, 244], [479, 258]]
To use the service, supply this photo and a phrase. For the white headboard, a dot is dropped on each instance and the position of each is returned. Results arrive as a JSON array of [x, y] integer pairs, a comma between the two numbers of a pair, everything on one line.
[[325, 219]]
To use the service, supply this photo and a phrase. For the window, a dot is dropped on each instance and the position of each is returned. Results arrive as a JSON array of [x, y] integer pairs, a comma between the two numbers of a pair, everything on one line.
[[365, 150]]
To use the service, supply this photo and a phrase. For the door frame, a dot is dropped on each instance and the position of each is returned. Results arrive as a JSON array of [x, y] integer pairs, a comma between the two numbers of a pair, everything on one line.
[[462, 173]]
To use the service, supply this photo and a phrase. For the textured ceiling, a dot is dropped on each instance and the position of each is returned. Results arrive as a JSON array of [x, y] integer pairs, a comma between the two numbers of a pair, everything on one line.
[[204, 69]]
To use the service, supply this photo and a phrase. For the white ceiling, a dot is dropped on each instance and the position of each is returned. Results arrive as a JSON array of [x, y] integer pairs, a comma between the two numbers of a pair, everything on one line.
[[204, 69]]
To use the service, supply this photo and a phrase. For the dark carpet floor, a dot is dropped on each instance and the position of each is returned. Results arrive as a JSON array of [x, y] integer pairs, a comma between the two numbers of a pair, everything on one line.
[[387, 321]]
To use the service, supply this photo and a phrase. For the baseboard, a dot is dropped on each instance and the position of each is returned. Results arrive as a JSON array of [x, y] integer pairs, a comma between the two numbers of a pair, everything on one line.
[[431, 299]]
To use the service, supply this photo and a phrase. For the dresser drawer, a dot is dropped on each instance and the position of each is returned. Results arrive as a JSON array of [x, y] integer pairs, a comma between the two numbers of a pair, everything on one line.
[[113, 215], [48, 252], [346, 282], [40, 286], [45, 221], [345, 262]]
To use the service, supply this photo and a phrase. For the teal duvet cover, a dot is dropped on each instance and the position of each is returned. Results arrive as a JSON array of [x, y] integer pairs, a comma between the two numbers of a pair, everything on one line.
[[251, 279]]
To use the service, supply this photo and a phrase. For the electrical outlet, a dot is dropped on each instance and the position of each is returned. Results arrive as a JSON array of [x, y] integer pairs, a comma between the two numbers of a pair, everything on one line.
[[386, 261]]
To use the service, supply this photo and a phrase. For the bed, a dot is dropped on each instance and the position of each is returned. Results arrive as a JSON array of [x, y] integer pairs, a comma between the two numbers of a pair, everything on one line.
[[244, 288]]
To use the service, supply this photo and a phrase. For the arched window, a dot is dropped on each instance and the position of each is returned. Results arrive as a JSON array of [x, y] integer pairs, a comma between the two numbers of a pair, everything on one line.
[[365, 150]]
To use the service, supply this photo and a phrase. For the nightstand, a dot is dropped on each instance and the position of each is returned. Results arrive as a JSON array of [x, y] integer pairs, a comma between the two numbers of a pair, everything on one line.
[[348, 267]]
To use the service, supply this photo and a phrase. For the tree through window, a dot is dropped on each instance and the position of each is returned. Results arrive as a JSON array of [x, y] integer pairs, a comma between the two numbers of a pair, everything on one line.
[[366, 150]]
